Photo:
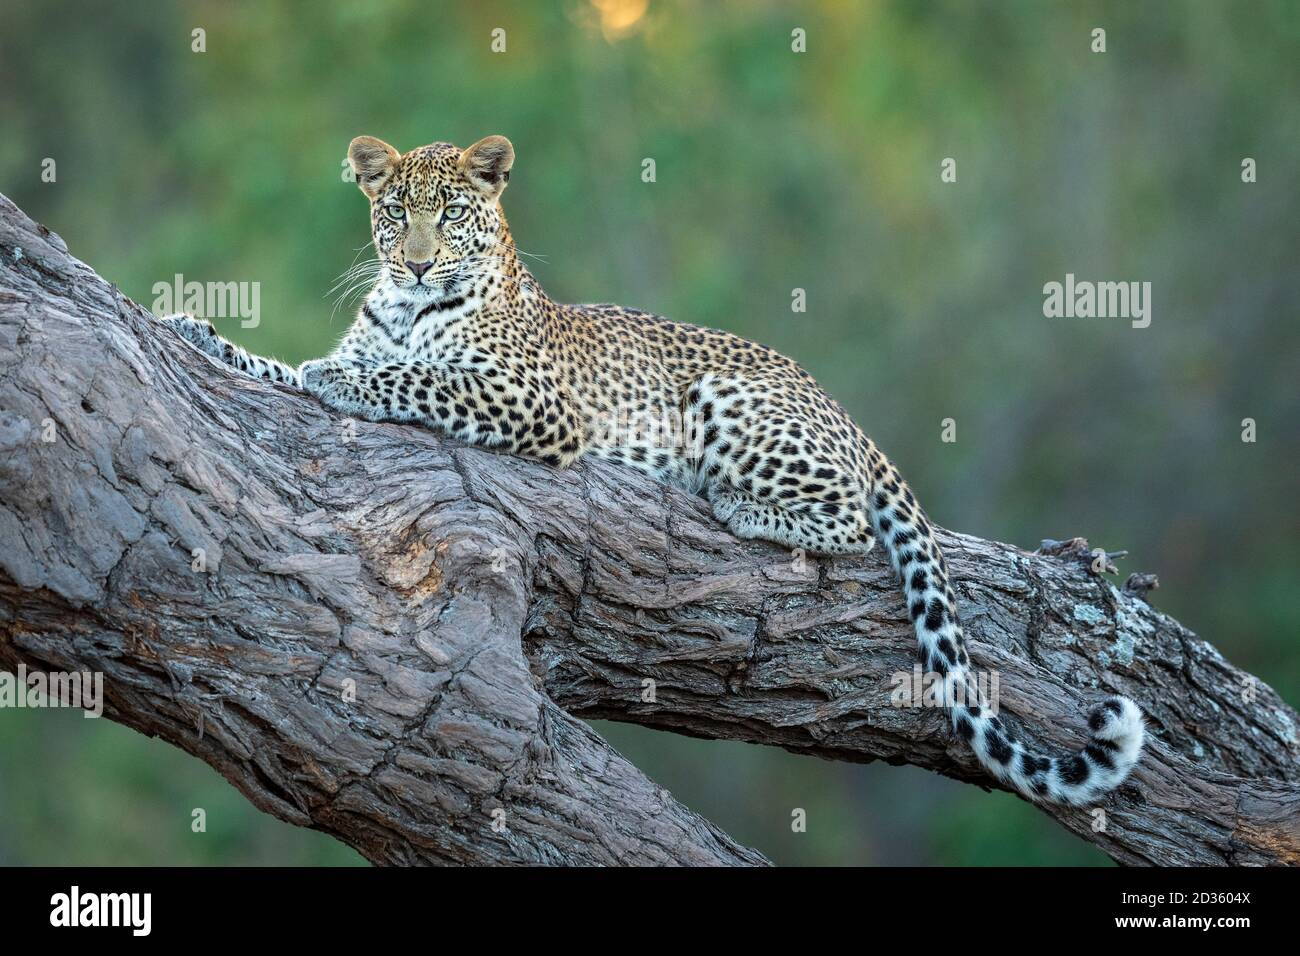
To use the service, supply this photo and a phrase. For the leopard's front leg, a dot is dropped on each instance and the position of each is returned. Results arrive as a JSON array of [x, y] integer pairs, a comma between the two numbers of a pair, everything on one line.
[[482, 408], [201, 334]]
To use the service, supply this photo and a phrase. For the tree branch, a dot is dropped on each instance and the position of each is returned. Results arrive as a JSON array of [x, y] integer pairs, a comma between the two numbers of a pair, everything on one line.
[[393, 634]]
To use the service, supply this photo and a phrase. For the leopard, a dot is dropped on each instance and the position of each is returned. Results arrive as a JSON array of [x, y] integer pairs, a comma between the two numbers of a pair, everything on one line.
[[457, 335]]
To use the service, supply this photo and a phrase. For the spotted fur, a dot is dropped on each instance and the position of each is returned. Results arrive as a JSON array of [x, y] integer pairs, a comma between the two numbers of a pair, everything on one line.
[[457, 335]]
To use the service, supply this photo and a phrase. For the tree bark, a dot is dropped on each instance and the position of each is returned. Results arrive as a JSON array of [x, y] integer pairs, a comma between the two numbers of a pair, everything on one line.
[[392, 636]]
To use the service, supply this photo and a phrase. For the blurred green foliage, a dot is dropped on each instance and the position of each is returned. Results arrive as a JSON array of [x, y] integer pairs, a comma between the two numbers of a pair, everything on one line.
[[775, 170]]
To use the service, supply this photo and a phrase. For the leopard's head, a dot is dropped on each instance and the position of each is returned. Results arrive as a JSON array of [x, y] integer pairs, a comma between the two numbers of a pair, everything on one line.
[[435, 212]]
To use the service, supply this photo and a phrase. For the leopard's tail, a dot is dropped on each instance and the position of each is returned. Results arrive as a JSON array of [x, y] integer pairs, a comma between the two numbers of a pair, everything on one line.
[[1116, 723]]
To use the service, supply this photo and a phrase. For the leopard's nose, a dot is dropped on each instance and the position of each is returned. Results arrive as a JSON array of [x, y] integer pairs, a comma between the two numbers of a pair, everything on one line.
[[419, 268]]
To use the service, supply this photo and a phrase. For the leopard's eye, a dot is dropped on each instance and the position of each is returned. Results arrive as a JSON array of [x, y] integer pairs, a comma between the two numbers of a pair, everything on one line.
[[394, 211], [455, 213]]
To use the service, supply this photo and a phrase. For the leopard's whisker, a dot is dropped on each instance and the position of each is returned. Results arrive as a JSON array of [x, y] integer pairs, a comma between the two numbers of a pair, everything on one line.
[[517, 251], [358, 268], [353, 282]]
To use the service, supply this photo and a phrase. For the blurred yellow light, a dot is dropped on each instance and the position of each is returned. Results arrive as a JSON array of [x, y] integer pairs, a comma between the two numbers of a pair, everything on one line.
[[619, 17]]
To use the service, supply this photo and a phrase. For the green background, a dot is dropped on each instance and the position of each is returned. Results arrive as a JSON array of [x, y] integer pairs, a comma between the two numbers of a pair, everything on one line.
[[775, 171]]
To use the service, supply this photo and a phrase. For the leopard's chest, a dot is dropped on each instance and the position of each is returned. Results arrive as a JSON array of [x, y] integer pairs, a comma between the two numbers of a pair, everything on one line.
[[386, 334], [441, 339]]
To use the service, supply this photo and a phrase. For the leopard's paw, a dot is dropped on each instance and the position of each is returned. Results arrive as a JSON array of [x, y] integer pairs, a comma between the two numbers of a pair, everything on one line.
[[315, 374], [726, 504], [198, 332], [328, 380]]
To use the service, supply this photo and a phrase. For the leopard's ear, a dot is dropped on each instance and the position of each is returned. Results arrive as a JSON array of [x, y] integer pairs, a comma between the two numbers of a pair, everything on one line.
[[373, 162], [487, 164]]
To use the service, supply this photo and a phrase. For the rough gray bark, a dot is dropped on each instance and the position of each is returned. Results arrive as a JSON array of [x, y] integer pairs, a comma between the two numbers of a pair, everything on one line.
[[479, 603]]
